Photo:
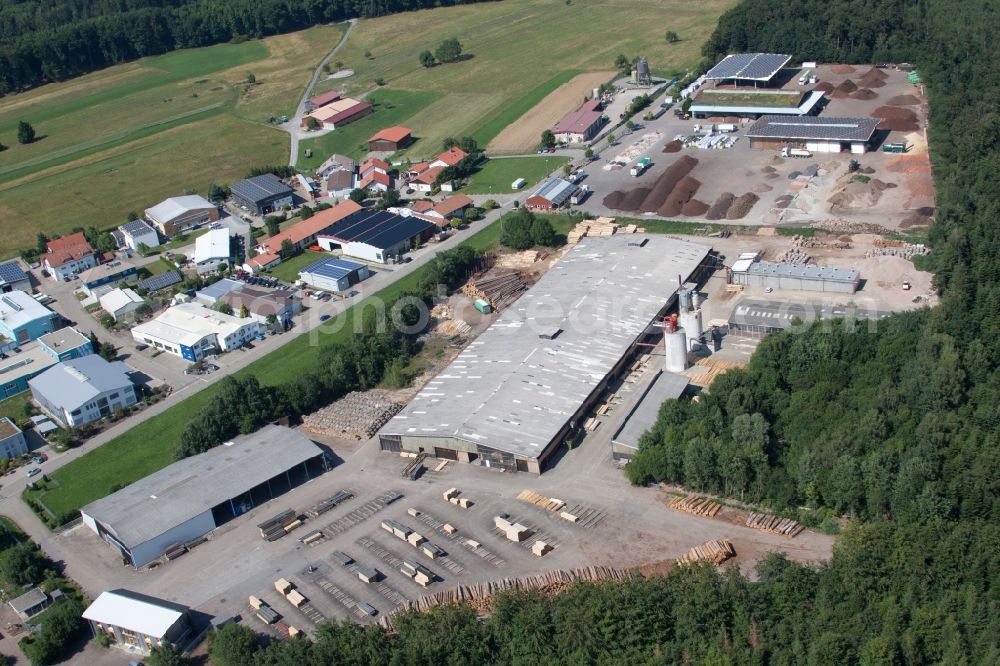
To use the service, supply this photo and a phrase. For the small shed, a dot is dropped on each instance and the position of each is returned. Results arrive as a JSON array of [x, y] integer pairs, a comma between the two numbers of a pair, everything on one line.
[[31, 603]]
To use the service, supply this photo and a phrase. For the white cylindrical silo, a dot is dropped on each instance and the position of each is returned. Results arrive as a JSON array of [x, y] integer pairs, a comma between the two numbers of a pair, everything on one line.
[[690, 322], [696, 299], [683, 300], [675, 345]]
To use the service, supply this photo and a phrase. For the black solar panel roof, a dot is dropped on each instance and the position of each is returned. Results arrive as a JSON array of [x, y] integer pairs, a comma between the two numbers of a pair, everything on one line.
[[813, 127], [11, 272], [755, 66], [377, 228], [161, 281], [260, 188]]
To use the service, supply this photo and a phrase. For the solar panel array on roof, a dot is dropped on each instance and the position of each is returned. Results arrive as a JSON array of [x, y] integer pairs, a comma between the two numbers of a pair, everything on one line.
[[332, 268], [161, 281], [813, 127], [260, 187], [11, 272], [377, 228], [754, 66]]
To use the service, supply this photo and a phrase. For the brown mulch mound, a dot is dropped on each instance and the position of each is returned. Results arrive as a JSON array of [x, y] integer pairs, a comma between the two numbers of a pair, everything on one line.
[[614, 200], [768, 169], [783, 201], [694, 208], [877, 73], [864, 93], [866, 170], [682, 193], [896, 119], [842, 69], [633, 199], [673, 147], [873, 78], [717, 211], [760, 188], [824, 86], [665, 184], [904, 100], [741, 206], [772, 176], [844, 89], [916, 221]]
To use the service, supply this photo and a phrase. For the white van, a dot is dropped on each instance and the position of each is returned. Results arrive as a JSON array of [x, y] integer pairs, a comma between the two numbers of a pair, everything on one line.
[[518, 184]]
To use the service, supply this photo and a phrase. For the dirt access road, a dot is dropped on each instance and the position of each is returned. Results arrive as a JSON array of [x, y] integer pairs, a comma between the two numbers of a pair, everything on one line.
[[521, 136]]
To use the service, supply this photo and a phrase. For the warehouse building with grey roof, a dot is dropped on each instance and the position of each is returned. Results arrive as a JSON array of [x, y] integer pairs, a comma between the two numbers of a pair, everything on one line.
[[527, 383], [191, 497], [818, 134]]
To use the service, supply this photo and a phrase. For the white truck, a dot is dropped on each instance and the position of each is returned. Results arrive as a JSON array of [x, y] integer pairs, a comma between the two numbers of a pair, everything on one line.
[[795, 152], [724, 127], [640, 166]]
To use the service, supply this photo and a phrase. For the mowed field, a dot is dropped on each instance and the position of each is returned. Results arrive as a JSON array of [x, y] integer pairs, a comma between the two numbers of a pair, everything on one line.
[[124, 138], [519, 50]]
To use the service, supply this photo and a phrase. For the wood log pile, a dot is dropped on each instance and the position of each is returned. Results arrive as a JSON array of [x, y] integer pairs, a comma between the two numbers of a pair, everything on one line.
[[774, 525], [547, 503], [480, 595], [699, 506], [499, 291], [716, 551]]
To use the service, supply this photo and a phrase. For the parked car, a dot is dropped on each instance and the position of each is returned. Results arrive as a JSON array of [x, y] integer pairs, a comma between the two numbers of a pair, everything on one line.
[[38, 460], [324, 317], [33, 471]]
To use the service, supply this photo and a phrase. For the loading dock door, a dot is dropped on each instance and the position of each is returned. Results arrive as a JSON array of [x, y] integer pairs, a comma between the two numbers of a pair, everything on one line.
[[445, 454]]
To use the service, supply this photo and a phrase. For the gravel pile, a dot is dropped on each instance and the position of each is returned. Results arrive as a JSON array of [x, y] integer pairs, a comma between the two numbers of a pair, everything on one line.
[[903, 100], [718, 210], [844, 89], [864, 94], [634, 198], [873, 78]]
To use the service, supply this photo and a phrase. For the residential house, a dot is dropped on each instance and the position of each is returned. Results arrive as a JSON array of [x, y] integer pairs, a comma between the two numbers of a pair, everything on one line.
[[13, 278], [121, 303], [390, 139], [193, 331], [83, 390], [262, 194], [103, 278], [453, 206], [22, 318], [138, 622], [339, 183], [176, 214], [139, 232], [211, 250], [67, 256]]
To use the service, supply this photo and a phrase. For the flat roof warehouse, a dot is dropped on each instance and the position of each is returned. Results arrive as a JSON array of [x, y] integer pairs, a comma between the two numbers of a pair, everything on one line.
[[516, 390]]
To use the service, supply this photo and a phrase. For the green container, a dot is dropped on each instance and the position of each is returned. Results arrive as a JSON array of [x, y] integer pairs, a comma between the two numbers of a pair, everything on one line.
[[482, 306]]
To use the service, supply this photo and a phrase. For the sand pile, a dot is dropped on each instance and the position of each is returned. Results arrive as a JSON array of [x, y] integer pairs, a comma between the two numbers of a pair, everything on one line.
[[717, 211], [864, 94], [614, 200], [842, 69], [896, 119], [694, 208], [844, 89], [904, 100], [682, 193], [760, 188], [665, 184], [855, 196], [673, 147], [741, 206], [824, 86]]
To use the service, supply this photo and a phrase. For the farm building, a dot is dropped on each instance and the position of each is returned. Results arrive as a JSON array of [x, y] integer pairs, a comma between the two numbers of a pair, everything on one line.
[[193, 496], [339, 183], [757, 318], [66, 343], [580, 125], [551, 194], [390, 139], [12, 442], [527, 383], [137, 622], [103, 277], [375, 235], [262, 194], [139, 232], [666, 386], [819, 135], [13, 278], [806, 277], [333, 274], [338, 113], [65, 257], [82, 390], [323, 99], [212, 249], [22, 318], [192, 331], [176, 214], [121, 303]]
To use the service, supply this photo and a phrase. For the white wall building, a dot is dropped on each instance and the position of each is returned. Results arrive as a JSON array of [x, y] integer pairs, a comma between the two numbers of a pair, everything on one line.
[[82, 390], [212, 250], [191, 330], [138, 622], [139, 232], [121, 303]]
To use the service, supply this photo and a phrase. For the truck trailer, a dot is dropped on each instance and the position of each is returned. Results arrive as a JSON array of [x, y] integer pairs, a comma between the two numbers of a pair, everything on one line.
[[795, 152], [640, 166]]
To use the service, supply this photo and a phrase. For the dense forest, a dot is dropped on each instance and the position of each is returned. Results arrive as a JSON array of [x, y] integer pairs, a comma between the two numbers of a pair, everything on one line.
[[52, 40], [890, 433]]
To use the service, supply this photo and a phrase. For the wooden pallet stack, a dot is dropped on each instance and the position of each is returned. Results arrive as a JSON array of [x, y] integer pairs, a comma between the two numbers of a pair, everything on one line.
[[499, 291], [548, 503], [716, 551], [774, 525], [699, 506]]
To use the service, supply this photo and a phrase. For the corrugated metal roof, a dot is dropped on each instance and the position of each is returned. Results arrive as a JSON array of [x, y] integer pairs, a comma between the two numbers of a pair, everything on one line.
[[666, 386], [807, 271], [555, 190], [819, 128], [143, 615], [260, 188], [779, 315], [76, 381]]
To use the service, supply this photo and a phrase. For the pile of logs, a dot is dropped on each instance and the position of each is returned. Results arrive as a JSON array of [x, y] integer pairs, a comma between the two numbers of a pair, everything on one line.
[[498, 291], [716, 551], [547, 503], [480, 595], [699, 506], [774, 524], [359, 414]]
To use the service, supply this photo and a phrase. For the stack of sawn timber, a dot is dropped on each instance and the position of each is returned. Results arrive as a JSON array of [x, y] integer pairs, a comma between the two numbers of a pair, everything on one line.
[[547, 503], [280, 525], [774, 524], [716, 551], [699, 506], [498, 291]]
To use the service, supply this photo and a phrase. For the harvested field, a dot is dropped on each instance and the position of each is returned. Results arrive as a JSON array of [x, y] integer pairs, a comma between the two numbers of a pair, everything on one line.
[[844, 89], [682, 193], [824, 86], [614, 200], [843, 69], [694, 208], [718, 210], [634, 199], [666, 183], [896, 119], [673, 146], [904, 100], [741, 206], [522, 135], [864, 94]]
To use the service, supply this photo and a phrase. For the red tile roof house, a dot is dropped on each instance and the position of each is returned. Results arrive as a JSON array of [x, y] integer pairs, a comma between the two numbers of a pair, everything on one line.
[[450, 157], [581, 125], [453, 206], [390, 139], [373, 164], [300, 235], [423, 175], [421, 206], [322, 100], [69, 255], [376, 180]]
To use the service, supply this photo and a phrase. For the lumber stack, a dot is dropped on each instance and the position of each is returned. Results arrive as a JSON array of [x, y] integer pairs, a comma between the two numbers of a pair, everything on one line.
[[515, 532], [498, 291], [774, 525], [699, 506], [278, 526], [548, 503], [452, 496], [716, 551]]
